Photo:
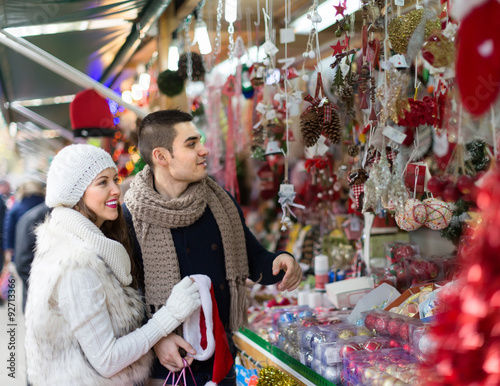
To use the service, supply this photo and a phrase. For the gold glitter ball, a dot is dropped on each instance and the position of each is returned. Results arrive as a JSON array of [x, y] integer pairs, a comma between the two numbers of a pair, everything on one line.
[[402, 28]]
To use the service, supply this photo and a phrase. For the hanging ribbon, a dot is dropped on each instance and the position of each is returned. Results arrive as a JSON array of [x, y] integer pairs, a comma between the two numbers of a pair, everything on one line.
[[214, 132], [286, 197], [231, 181]]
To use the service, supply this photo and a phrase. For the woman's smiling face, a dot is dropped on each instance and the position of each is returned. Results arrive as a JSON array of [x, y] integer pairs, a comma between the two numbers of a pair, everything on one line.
[[102, 196]]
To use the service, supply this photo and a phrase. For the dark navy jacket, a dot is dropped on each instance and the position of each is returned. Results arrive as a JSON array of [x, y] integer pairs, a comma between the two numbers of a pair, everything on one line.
[[12, 217], [199, 249]]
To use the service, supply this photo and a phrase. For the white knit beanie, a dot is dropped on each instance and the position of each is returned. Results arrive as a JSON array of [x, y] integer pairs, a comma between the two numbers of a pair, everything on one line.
[[71, 172]]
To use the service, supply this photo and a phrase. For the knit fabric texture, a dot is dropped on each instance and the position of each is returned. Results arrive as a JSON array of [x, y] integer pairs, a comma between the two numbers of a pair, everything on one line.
[[71, 172], [153, 217], [112, 252]]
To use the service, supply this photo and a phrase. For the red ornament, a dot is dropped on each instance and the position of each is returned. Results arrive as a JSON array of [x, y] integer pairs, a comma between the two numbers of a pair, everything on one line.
[[478, 57], [372, 346], [338, 48], [465, 183], [451, 193], [395, 326], [340, 9], [381, 324], [370, 321], [349, 348], [435, 185], [404, 332]]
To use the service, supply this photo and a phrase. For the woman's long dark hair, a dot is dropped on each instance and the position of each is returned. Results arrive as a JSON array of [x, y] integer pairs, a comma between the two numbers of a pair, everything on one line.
[[116, 230]]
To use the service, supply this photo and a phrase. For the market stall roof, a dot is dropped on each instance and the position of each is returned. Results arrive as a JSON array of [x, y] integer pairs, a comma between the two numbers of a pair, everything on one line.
[[94, 37]]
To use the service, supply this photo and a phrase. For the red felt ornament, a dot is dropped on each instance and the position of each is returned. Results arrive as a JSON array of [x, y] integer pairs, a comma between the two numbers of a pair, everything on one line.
[[478, 57]]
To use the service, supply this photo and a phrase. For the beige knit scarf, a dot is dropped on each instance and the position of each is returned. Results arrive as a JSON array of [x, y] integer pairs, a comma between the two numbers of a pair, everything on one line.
[[153, 217]]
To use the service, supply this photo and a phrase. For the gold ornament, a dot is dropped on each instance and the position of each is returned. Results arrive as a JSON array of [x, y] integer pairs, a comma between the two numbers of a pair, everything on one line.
[[439, 51], [401, 29], [395, 101], [271, 376]]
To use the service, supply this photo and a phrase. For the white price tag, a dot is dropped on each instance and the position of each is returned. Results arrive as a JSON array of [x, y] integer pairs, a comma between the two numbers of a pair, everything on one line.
[[286, 188], [394, 135], [271, 114], [269, 48], [399, 2], [287, 35]]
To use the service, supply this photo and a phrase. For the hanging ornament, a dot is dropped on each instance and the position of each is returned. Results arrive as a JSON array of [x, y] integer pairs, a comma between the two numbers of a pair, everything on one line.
[[438, 214], [478, 58], [438, 50], [170, 83], [198, 70], [413, 216], [393, 97], [397, 192], [353, 150], [402, 28], [286, 197], [321, 115], [357, 179]]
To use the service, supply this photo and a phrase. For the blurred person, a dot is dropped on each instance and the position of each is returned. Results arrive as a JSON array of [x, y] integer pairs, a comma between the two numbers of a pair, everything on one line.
[[4, 189], [83, 315], [183, 224], [28, 195], [25, 243]]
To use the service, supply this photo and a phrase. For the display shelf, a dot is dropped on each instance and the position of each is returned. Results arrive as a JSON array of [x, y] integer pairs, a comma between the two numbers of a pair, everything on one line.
[[261, 350]]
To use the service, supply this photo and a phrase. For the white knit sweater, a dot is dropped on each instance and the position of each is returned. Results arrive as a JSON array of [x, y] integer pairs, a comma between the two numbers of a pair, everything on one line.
[[82, 324]]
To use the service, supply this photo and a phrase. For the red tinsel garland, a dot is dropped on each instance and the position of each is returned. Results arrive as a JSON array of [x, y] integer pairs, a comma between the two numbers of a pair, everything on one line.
[[421, 113], [467, 337]]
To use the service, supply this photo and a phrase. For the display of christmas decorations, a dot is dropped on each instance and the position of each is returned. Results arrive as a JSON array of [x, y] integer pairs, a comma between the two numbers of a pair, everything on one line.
[[371, 157]]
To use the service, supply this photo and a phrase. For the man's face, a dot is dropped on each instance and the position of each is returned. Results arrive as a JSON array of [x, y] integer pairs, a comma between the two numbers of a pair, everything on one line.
[[188, 162]]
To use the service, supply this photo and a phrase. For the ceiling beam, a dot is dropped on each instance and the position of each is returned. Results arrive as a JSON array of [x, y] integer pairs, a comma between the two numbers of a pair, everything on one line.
[[56, 65], [150, 14]]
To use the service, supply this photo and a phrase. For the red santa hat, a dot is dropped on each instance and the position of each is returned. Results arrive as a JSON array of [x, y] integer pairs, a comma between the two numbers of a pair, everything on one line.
[[203, 329], [90, 115]]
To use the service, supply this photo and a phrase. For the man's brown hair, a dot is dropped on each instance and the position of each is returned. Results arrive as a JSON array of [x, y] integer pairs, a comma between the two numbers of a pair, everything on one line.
[[157, 130]]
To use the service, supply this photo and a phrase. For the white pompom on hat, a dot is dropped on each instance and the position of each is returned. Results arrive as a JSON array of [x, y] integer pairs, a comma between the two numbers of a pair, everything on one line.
[[71, 172]]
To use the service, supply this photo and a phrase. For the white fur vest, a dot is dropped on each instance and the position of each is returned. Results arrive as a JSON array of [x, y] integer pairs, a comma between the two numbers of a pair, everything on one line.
[[54, 356]]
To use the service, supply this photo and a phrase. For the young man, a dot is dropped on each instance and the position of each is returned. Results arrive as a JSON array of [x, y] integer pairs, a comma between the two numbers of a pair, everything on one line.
[[185, 224]]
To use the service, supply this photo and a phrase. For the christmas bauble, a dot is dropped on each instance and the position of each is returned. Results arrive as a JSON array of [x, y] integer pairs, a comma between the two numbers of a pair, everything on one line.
[[413, 217], [438, 214]]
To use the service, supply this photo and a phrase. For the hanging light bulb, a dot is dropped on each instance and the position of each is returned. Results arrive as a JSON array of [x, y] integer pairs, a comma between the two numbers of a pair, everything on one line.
[[173, 55], [127, 96], [144, 81], [201, 36], [136, 92], [231, 11]]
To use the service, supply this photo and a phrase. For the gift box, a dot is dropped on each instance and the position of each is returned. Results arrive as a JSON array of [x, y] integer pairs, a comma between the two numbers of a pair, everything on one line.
[[415, 177]]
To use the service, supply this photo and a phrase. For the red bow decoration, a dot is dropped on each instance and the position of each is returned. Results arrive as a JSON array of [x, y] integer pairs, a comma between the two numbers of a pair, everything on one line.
[[317, 163]]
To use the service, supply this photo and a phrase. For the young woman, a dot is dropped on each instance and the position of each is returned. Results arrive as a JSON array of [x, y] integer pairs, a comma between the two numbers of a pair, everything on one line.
[[83, 316]]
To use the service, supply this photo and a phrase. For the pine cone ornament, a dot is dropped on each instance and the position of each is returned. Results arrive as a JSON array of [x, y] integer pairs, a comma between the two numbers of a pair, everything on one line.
[[310, 128], [197, 66], [332, 128], [345, 92], [352, 150]]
